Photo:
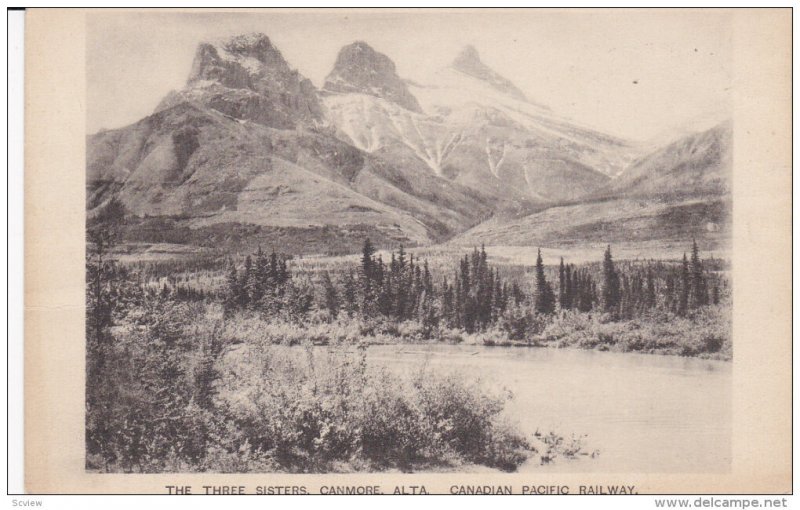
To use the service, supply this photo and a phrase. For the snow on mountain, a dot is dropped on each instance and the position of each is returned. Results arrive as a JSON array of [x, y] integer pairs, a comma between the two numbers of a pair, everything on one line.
[[476, 128], [469, 63], [249, 143]]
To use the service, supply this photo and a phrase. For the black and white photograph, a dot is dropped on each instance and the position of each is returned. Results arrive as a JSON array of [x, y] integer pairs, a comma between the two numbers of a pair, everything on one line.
[[419, 250], [411, 251]]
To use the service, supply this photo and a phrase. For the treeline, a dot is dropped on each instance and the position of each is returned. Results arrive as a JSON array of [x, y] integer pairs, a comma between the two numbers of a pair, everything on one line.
[[631, 289], [397, 290], [261, 283], [163, 386], [474, 297]]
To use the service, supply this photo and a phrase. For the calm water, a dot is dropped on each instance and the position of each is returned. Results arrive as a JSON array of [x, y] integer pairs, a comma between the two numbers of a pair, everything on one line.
[[644, 413]]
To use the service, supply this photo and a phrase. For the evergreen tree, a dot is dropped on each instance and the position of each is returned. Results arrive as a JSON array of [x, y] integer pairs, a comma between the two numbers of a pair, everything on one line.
[[458, 303], [499, 298], [569, 284], [584, 290], [562, 285], [611, 289], [448, 308], [331, 295], [544, 299], [350, 294], [401, 284], [466, 304], [102, 277], [427, 280], [273, 272], [366, 276], [516, 294], [283, 272], [650, 292], [685, 290], [246, 281], [259, 276], [699, 292], [206, 373], [669, 292]]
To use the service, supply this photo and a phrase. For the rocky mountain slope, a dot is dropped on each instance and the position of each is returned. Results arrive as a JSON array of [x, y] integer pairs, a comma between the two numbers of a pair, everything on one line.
[[247, 78], [476, 128], [362, 70], [245, 144], [676, 193], [250, 151], [469, 62], [695, 165]]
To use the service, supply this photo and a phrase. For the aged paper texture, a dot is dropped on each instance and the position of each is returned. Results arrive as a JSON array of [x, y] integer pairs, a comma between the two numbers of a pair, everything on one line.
[[408, 251]]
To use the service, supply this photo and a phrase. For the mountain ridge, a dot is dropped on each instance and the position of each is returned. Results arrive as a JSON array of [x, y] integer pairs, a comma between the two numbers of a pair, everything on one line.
[[469, 62], [677, 192], [361, 69], [250, 141]]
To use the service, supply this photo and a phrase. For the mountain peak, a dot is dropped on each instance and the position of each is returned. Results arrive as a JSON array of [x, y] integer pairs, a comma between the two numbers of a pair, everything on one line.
[[361, 69], [254, 45], [246, 77], [244, 42], [253, 52], [468, 56], [469, 62]]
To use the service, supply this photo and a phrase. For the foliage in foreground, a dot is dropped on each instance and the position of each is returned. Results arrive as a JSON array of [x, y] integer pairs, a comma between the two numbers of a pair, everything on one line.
[[173, 394], [170, 389]]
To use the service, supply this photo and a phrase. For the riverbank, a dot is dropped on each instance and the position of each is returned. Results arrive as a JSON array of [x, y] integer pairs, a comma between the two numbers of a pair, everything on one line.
[[703, 334], [237, 400]]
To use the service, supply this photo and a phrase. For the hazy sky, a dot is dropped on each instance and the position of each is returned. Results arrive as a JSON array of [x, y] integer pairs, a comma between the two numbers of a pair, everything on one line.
[[633, 73]]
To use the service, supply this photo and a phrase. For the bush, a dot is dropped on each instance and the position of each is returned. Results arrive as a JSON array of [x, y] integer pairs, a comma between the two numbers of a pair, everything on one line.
[[183, 390], [323, 411], [704, 332]]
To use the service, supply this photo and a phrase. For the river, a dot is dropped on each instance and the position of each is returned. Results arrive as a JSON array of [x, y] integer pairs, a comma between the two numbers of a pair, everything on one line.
[[643, 413]]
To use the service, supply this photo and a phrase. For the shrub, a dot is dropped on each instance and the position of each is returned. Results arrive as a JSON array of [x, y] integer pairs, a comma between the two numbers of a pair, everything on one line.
[[327, 409]]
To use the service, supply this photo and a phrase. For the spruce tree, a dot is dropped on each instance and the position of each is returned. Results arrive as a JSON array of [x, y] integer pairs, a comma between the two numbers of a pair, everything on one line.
[[350, 294], [699, 292], [569, 284], [272, 272], [544, 299], [458, 302], [562, 285], [331, 295], [498, 298], [367, 251], [366, 276], [258, 276], [650, 292], [611, 289], [685, 290], [401, 283], [247, 281], [427, 280], [448, 313]]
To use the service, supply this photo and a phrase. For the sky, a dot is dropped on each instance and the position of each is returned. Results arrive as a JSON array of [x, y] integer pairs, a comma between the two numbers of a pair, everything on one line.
[[637, 74]]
